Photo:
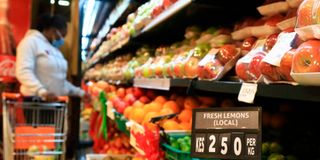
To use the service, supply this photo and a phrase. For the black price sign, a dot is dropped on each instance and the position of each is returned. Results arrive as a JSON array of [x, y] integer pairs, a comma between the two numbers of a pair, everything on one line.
[[226, 133]]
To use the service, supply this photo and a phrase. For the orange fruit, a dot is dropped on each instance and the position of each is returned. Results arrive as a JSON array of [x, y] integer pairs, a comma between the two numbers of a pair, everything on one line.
[[160, 99], [171, 125], [172, 105], [148, 117], [166, 111], [138, 115], [190, 103], [151, 126], [185, 115], [186, 125], [127, 111], [137, 104], [153, 107]]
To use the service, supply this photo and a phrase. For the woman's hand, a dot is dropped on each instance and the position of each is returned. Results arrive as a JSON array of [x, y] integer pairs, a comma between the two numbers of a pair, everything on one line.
[[50, 97]]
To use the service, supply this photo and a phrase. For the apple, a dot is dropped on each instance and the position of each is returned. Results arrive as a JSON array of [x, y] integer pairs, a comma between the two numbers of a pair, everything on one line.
[[144, 99], [269, 71], [121, 92], [168, 3], [286, 65], [210, 70], [305, 13], [146, 72], [157, 10], [137, 72], [253, 66], [242, 71], [226, 53], [129, 90], [274, 20], [191, 67], [158, 70], [137, 92], [248, 43], [178, 69], [129, 98], [270, 42], [121, 106], [307, 57]]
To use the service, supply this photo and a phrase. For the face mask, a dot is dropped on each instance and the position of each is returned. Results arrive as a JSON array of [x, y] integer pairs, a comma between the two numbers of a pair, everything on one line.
[[58, 43]]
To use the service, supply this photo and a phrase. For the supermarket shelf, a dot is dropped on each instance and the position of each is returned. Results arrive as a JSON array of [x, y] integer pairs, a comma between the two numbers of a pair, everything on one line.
[[179, 5], [183, 13], [283, 91]]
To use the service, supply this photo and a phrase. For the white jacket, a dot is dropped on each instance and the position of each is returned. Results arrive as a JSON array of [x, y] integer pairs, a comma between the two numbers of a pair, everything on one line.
[[41, 68]]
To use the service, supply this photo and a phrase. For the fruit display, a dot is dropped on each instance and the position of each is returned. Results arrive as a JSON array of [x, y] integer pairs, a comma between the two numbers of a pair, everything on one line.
[[182, 143], [308, 20], [276, 66], [117, 37]]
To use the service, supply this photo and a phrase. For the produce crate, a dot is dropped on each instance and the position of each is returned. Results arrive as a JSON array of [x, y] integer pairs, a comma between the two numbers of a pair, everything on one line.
[[107, 157], [121, 122]]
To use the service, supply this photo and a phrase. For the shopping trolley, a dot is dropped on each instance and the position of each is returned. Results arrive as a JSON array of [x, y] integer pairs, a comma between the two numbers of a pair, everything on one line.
[[34, 130]]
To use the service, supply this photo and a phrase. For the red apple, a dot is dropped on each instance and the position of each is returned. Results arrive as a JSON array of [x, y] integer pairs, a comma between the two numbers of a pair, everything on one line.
[[226, 53], [210, 70], [253, 66], [286, 65], [242, 71], [248, 43], [158, 70], [138, 92], [274, 20], [120, 106], [168, 3], [129, 98], [270, 42], [121, 92], [191, 67], [307, 57], [157, 10], [178, 69], [129, 90], [269, 71], [305, 13], [137, 72], [144, 99]]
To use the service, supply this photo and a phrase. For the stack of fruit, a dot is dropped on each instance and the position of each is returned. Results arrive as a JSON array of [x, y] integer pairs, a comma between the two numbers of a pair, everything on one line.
[[181, 143], [119, 144], [187, 59], [135, 23], [142, 55], [273, 151]]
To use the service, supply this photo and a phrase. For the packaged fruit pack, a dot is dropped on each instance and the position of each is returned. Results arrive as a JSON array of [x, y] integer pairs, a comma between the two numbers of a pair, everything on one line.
[[247, 67], [308, 20], [306, 63], [276, 65], [218, 62]]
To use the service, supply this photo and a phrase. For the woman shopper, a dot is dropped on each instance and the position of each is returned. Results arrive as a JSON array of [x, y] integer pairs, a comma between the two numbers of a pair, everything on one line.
[[40, 67]]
